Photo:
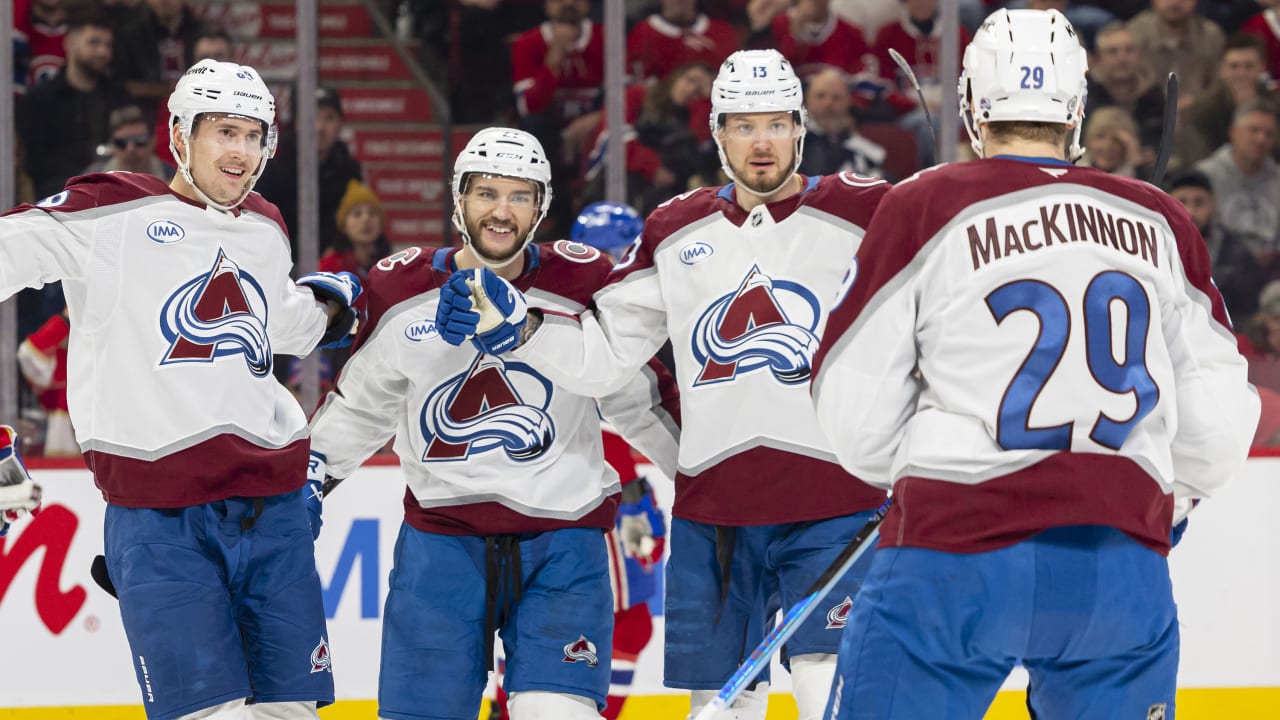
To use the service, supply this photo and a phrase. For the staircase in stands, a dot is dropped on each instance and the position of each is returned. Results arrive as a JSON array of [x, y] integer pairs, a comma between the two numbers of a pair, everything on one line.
[[390, 124]]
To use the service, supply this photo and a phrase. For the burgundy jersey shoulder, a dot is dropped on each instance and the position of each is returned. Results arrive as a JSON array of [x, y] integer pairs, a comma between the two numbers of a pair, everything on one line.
[[97, 190], [396, 278], [849, 196], [570, 270], [666, 220], [259, 205]]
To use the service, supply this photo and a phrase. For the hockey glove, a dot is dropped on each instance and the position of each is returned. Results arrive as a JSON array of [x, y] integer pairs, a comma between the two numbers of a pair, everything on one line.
[[455, 320], [503, 312], [342, 289], [641, 526], [19, 494], [313, 491]]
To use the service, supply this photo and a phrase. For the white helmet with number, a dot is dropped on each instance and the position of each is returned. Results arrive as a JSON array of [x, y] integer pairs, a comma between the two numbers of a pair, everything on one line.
[[757, 81], [223, 88], [505, 152], [1024, 65]]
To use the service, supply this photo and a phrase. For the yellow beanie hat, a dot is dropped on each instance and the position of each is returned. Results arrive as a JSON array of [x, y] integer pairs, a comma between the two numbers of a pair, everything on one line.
[[357, 192]]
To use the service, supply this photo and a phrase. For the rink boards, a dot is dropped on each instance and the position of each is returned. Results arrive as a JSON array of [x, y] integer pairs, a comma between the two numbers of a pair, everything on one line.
[[66, 655]]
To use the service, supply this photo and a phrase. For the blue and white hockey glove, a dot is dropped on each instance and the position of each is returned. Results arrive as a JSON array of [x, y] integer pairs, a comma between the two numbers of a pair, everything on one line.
[[503, 312], [313, 491], [19, 494], [455, 319], [641, 526], [342, 289]]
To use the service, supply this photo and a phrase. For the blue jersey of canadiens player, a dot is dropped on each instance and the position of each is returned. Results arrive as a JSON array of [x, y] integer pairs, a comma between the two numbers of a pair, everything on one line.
[[178, 311], [488, 444], [743, 297]]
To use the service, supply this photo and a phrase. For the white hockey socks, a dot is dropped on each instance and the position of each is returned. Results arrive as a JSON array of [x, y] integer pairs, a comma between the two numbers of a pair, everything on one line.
[[538, 705], [811, 677], [749, 705]]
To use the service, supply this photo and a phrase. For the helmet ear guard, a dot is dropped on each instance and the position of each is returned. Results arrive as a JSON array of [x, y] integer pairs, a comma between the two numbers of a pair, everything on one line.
[[757, 81], [1024, 66], [504, 152]]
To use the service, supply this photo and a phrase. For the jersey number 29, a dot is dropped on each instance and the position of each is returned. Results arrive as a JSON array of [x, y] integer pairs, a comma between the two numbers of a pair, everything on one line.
[[1014, 431]]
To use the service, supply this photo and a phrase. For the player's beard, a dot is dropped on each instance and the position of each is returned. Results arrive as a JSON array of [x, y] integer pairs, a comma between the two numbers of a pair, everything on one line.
[[771, 182], [475, 231]]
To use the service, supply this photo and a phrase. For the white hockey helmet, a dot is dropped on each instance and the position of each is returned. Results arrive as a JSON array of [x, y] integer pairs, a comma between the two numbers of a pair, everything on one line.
[[505, 152], [757, 81], [224, 88], [1024, 65]]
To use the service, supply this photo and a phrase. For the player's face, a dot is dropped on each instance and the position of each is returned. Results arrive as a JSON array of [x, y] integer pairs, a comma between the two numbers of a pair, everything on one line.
[[225, 151], [760, 148], [499, 213]]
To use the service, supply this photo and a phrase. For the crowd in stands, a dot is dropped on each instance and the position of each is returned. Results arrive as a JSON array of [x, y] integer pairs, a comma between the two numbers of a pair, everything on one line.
[[91, 75]]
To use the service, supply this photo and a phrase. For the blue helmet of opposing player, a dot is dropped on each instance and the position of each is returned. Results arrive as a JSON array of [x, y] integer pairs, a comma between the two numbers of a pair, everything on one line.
[[608, 227]]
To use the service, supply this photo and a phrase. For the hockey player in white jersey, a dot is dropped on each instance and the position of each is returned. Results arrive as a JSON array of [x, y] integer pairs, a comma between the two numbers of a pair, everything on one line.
[[740, 278], [1034, 357], [180, 296], [508, 492]]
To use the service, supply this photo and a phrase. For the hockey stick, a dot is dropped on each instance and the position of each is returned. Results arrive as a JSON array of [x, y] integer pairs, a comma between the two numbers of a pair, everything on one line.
[[1166, 133], [760, 657], [911, 76]]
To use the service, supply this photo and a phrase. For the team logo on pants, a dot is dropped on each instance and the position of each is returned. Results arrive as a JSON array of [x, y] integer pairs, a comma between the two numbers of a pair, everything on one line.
[[838, 616], [1156, 712], [581, 650], [765, 323], [320, 661]]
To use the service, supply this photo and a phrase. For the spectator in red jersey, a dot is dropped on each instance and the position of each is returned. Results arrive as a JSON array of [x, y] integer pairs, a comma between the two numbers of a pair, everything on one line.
[[917, 36], [38, 30], [1266, 26], [676, 36], [558, 71], [668, 139], [154, 49], [810, 36], [42, 357]]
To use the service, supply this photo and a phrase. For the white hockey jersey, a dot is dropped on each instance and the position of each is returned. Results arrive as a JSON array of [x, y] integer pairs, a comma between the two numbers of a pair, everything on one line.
[[488, 445], [175, 310], [1028, 346], [743, 298]]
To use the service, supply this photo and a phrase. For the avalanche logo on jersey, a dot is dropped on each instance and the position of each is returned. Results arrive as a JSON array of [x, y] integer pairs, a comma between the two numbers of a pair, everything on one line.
[[765, 323], [495, 404], [220, 313]]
